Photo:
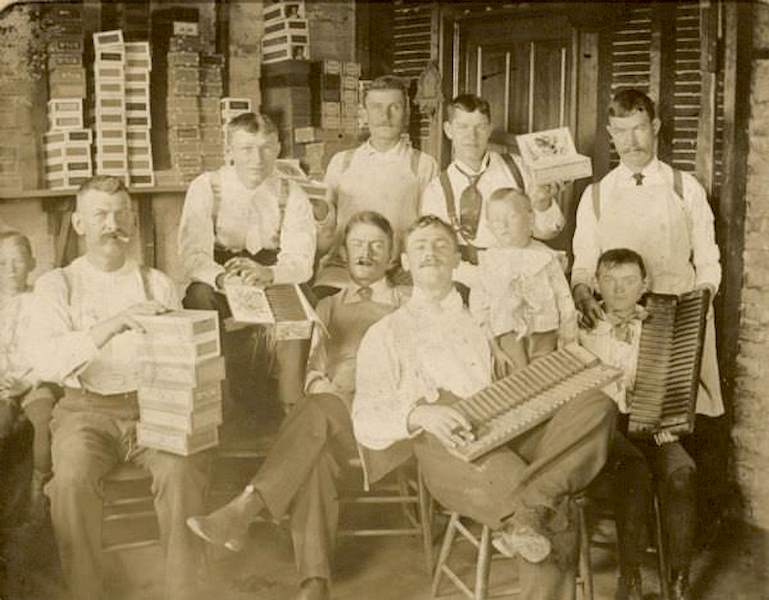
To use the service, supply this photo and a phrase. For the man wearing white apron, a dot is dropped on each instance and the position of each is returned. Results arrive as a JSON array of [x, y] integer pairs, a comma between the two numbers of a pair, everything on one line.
[[663, 214]]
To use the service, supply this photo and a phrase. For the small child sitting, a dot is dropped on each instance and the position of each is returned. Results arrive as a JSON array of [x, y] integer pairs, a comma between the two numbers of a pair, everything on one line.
[[636, 464], [18, 393], [521, 296]]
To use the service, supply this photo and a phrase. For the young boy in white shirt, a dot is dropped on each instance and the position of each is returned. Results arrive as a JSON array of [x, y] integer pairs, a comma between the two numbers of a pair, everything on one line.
[[18, 393], [640, 463]]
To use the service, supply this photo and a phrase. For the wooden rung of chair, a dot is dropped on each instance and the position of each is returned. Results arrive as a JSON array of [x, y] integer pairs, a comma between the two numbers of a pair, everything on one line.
[[485, 556], [414, 500], [129, 519]]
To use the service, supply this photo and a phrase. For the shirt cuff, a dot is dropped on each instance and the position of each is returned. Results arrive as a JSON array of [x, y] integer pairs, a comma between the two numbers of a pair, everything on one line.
[[318, 383], [208, 274]]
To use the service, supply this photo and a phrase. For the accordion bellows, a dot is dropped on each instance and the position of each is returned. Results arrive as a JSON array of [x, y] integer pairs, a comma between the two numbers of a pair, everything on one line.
[[669, 359]]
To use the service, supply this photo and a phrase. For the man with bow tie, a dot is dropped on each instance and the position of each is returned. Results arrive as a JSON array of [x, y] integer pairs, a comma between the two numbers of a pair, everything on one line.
[[299, 475], [662, 214], [638, 465], [459, 193]]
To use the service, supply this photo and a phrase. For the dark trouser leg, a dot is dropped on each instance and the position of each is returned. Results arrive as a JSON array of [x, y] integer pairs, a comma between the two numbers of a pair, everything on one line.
[[300, 475], [38, 406], [676, 476], [291, 357], [632, 496], [85, 448], [202, 296], [178, 484]]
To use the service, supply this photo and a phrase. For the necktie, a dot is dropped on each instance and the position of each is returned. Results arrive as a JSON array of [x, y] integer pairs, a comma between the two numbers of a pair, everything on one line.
[[639, 178], [470, 206], [365, 293]]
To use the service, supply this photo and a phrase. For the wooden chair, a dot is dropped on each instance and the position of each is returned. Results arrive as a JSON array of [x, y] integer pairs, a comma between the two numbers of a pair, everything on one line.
[[600, 508], [485, 556], [129, 519], [404, 490]]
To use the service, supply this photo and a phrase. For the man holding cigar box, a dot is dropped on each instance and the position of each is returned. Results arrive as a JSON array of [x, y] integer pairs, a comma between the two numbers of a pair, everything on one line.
[[243, 222], [84, 333]]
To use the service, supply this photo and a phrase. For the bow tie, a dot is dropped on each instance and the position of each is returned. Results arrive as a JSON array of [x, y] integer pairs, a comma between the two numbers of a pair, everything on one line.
[[621, 324], [365, 293], [639, 178]]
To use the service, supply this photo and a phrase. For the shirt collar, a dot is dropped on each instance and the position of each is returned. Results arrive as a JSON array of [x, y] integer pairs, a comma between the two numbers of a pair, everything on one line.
[[465, 169], [381, 292], [402, 146], [450, 304], [649, 170]]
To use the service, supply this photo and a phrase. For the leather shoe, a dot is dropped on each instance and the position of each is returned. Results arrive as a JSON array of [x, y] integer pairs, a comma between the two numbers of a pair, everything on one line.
[[223, 527], [629, 586], [530, 545]]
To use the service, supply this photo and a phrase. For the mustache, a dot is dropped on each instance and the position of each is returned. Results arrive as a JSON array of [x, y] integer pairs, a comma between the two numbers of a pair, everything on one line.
[[118, 234], [364, 261], [430, 262]]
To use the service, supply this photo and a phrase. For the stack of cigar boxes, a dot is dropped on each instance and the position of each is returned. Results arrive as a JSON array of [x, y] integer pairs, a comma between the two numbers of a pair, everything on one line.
[[138, 65], [182, 101], [67, 145], [64, 32], [180, 375], [107, 113], [212, 89], [286, 32]]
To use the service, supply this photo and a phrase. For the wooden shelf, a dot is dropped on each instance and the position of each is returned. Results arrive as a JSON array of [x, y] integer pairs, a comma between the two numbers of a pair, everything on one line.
[[135, 191]]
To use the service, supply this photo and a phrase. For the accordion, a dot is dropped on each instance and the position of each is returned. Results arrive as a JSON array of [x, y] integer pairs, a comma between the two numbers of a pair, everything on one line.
[[668, 370], [519, 402]]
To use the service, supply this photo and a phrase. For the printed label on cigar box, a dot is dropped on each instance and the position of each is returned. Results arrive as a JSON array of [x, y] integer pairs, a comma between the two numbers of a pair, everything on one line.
[[181, 325], [107, 38], [155, 349], [159, 374], [202, 418], [176, 442]]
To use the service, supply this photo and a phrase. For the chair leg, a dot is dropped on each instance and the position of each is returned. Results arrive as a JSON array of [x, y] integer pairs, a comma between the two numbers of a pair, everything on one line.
[[426, 521], [483, 567], [448, 540], [662, 559], [585, 566]]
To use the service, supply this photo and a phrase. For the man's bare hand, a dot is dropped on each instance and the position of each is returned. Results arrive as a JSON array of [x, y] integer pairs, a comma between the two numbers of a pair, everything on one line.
[[446, 423], [588, 306], [249, 271], [103, 332]]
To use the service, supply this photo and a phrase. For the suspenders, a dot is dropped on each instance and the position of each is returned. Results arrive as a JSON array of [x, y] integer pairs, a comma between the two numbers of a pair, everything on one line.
[[264, 256], [468, 251], [144, 274], [595, 192], [416, 156]]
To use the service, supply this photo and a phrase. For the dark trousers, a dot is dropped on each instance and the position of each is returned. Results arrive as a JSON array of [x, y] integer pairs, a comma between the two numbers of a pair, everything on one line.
[[300, 476], [290, 355], [637, 466], [539, 469]]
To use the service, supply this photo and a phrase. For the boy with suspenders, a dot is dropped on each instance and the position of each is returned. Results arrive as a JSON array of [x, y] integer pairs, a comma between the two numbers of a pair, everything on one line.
[[84, 336], [384, 174], [244, 221], [458, 194]]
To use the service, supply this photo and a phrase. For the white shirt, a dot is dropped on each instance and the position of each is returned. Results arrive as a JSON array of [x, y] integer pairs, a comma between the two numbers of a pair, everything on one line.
[[317, 380], [407, 356], [62, 348], [380, 181], [547, 223], [15, 315], [650, 219], [523, 290], [246, 219], [602, 342]]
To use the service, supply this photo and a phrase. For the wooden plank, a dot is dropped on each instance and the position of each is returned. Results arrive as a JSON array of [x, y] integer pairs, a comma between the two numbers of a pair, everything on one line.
[[730, 207], [706, 123], [662, 75], [147, 231]]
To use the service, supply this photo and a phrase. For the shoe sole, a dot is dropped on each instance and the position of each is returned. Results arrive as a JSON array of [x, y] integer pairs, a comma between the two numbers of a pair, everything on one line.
[[231, 545]]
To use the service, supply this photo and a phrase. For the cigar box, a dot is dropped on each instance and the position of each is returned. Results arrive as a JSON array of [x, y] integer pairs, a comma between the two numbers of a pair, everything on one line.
[[202, 418], [176, 442], [179, 399], [169, 350], [201, 373], [181, 325]]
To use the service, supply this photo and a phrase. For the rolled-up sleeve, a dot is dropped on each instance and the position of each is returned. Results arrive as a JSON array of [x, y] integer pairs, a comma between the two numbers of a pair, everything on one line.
[[56, 350], [196, 234], [585, 244], [705, 253], [382, 403], [297, 240]]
